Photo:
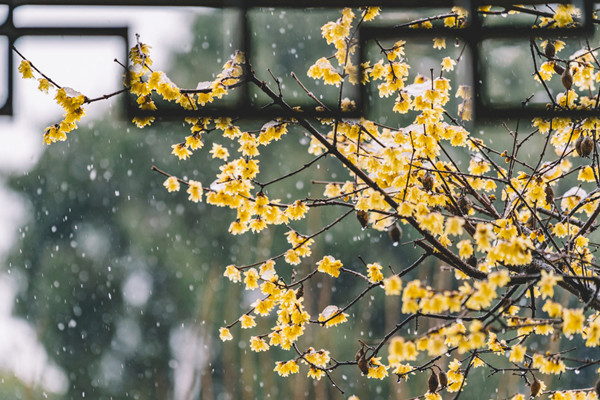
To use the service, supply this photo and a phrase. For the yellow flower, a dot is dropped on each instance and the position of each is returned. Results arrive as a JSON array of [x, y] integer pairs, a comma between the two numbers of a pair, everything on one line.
[[292, 257], [553, 309], [25, 69], [448, 64], [560, 230], [494, 344], [376, 369], [517, 353], [478, 166], [251, 279], [44, 85], [248, 321], [193, 142], [581, 242], [219, 151], [465, 249], [586, 174], [258, 344], [563, 15], [232, 273], [401, 350], [572, 197], [330, 265], [195, 191], [370, 14], [484, 235], [296, 211], [263, 307], [323, 69], [172, 184], [332, 311], [284, 369], [319, 358], [225, 335], [374, 272], [181, 151], [573, 320], [547, 283], [477, 362], [499, 278], [454, 226], [315, 373], [439, 43], [392, 285], [258, 224], [544, 329]]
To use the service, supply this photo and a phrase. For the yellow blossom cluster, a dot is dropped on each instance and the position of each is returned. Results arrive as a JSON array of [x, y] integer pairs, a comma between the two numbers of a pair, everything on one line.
[[499, 223], [70, 100]]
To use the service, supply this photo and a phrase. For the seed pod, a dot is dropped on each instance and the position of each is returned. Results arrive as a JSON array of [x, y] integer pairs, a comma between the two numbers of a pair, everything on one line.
[[535, 387], [395, 232], [363, 364], [443, 379], [597, 387], [363, 218], [428, 181], [464, 204], [578, 144], [567, 78], [300, 292], [433, 382], [550, 50], [360, 353], [558, 69], [549, 194], [586, 147]]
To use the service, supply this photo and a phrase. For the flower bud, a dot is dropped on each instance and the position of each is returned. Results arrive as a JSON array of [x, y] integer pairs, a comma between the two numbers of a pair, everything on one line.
[[535, 387], [428, 181], [363, 364], [567, 78], [443, 378], [586, 146], [549, 194], [300, 292], [558, 69], [433, 382], [550, 50], [363, 218], [395, 232]]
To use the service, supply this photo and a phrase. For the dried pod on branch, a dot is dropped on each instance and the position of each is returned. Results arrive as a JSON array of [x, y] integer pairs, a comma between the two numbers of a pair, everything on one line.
[[428, 180], [395, 233], [550, 50], [558, 69], [443, 378], [567, 78], [433, 382], [363, 218], [586, 146], [535, 388]]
